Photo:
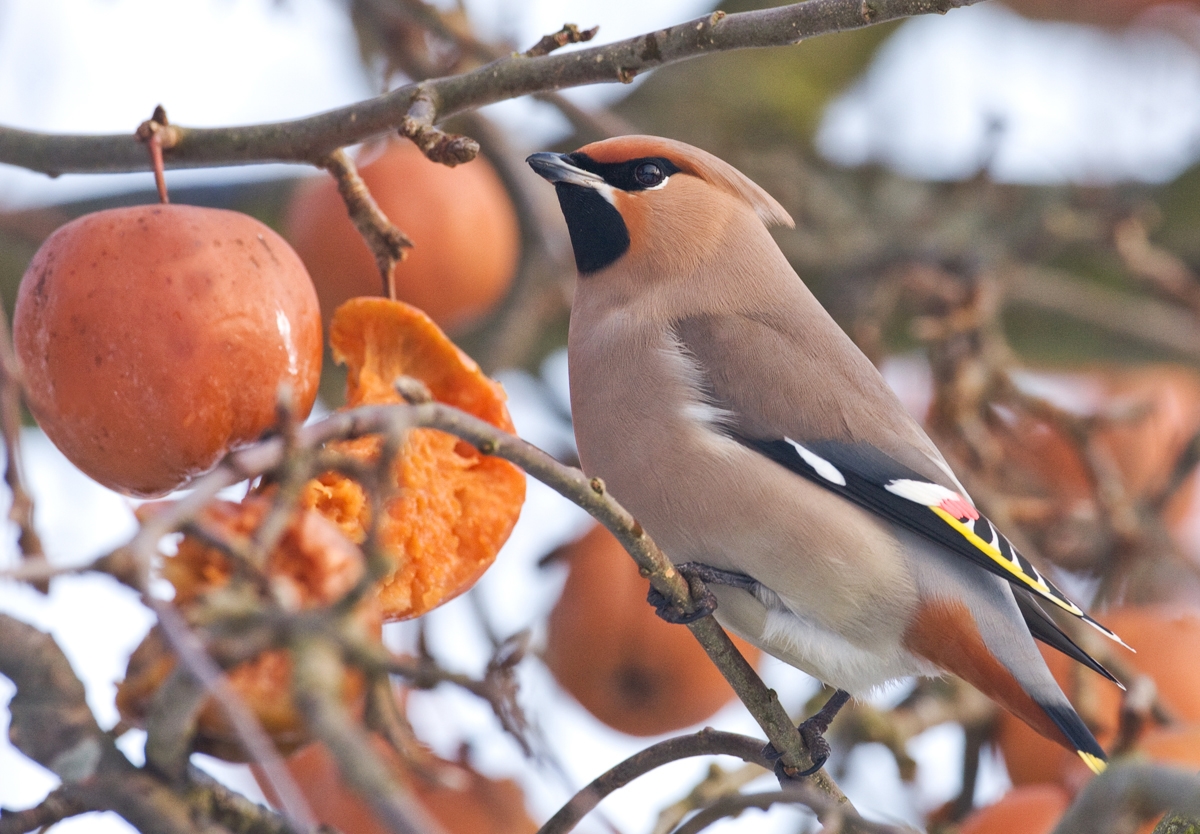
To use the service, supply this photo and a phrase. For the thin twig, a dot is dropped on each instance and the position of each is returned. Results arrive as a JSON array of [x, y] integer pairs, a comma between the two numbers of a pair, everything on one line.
[[836, 818], [1149, 321], [707, 742], [253, 737], [156, 134], [449, 149], [388, 244], [569, 33], [20, 511], [316, 686], [58, 805]]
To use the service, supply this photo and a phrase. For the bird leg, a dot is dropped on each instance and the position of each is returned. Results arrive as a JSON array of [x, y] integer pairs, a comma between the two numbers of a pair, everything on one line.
[[813, 733], [706, 602]]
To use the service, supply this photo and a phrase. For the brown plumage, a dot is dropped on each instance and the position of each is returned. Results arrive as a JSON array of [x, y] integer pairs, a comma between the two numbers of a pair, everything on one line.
[[724, 407]]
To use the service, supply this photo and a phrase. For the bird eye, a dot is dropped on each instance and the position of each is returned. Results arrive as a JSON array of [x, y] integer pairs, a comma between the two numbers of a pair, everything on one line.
[[649, 174]]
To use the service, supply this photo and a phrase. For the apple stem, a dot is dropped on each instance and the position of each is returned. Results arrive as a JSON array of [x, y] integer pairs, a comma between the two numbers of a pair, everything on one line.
[[156, 160], [151, 132]]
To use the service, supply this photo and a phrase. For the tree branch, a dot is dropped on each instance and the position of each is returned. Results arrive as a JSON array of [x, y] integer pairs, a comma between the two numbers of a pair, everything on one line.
[[310, 139], [707, 742], [387, 243], [58, 805]]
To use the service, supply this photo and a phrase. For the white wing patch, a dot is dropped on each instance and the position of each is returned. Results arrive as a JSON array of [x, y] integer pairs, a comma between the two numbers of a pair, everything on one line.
[[923, 492], [821, 466], [933, 495]]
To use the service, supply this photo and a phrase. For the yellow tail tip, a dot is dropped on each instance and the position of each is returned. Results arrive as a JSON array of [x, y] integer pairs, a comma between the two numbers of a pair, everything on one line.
[[1096, 763]]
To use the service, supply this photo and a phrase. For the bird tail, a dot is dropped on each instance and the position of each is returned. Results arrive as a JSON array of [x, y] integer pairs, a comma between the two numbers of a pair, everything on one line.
[[1077, 733]]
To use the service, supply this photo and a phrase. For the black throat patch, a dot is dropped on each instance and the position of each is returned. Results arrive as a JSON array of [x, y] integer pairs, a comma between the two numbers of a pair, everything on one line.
[[598, 232]]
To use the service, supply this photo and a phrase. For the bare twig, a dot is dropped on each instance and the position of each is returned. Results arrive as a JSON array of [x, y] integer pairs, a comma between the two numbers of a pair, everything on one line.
[[315, 137], [388, 244], [1162, 271], [20, 511], [835, 819], [447, 148], [497, 687], [569, 33], [317, 683], [58, 805], [192, 654], [717, 783], [707, 742]]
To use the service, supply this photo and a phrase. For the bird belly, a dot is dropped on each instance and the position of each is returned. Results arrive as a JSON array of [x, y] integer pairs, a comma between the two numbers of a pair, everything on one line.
[[814, 648]]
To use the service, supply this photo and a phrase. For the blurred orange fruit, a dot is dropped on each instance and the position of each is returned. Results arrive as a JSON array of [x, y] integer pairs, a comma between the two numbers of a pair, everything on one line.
[[461, 221], [312, 565], [154, 339], [454, 507], [605, 645], [459, 799], [1031, 809]]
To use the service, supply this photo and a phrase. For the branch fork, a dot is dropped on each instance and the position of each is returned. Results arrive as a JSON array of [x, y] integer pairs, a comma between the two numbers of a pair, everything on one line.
[[449, 149]]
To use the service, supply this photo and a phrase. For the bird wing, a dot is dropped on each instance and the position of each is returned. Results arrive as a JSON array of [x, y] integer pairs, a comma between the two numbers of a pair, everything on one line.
[[754, 396]]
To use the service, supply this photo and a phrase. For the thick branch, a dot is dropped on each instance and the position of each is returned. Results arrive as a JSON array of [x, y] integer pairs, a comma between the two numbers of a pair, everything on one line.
[[312, 138]]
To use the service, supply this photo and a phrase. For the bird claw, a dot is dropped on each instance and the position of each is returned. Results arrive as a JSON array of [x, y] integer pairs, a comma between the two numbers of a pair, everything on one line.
[[706, 603], [812, 731], [698, 575], [818, 751]]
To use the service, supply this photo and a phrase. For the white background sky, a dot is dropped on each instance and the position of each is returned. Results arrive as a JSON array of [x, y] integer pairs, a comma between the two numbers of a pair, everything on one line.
[[1076, 103]]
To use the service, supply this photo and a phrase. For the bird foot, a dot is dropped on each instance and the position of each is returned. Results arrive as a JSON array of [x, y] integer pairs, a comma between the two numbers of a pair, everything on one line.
[[812, 731], [697, 576]]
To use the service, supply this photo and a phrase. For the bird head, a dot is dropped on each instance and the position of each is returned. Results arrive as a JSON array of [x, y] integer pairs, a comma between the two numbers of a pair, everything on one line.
[[639, 196]]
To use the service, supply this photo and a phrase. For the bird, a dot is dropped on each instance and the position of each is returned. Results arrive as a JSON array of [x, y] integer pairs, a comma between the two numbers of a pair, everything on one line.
[[722, 406]]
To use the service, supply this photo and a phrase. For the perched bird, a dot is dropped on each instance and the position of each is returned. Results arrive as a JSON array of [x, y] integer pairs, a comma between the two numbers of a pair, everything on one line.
[[760, 448]]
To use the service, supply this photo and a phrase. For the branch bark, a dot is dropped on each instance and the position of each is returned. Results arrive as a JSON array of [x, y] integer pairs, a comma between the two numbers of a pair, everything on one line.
[[313, 138]]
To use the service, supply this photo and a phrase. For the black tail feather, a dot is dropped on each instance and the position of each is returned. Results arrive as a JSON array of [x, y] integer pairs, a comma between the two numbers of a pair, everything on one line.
[[1043, 627]]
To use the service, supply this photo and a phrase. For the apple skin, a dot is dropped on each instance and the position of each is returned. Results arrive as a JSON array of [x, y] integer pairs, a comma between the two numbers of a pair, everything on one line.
[[155, 339]]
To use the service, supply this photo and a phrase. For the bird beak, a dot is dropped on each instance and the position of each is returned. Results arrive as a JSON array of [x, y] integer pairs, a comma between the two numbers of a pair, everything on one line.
[[555, 168]]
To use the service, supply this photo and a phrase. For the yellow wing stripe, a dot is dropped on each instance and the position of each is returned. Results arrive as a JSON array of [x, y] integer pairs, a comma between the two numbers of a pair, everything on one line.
[[998, 557], [1096, 763]]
